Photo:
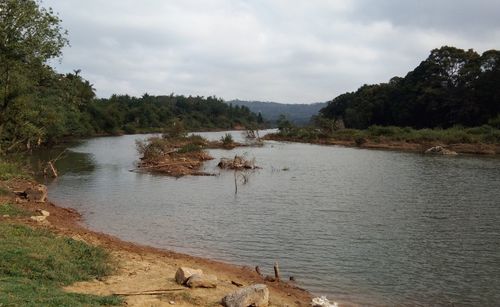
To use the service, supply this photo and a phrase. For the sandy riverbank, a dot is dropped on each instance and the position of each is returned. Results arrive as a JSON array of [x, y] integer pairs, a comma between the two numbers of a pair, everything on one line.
[[142, 268]]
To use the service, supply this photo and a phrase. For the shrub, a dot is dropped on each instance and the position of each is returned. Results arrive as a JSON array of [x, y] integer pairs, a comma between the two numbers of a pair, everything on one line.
[[227, 139]]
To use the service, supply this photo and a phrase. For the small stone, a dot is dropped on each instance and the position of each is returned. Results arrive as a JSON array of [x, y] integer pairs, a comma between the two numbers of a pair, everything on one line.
[[43, 212], [171, 303], [256, 295], [5, 215], [39, 218], [202, 281], [440, 150], [183, 274]]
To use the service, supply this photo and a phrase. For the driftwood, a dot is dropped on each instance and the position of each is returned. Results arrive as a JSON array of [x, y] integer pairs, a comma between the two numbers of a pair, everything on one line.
[[161, 165], [52, 169], [51, 165], [277, 271], [150, 292], [257, 269], [237, 163]]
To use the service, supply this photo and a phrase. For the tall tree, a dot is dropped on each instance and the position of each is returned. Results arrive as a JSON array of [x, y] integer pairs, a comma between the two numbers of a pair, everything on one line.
[[30, 36]]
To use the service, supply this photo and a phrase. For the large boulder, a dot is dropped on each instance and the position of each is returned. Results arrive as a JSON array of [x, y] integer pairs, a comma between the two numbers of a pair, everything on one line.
[[255, 295], [183, 274], [202, 281], [440, 150]]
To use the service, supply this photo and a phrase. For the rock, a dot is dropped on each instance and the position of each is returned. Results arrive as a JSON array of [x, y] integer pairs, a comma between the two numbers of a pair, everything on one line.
[[39, 218], [43, 212], [322, 302], [202, 281], [5, 215], [37, 193], [255, 295], [440, 150], [183, 274]]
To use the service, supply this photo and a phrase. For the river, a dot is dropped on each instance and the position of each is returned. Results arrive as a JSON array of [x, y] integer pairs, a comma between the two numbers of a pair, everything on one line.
[[369, 227]]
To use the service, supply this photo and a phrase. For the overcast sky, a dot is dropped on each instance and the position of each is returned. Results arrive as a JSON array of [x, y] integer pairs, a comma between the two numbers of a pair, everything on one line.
[[270, 50]]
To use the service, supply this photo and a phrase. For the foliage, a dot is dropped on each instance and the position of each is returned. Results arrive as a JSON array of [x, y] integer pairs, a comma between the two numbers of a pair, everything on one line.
[[456, 134], [34, 264], [10, 170], [451, 87], [227, 139], [29, 37], [154, 148], [284, 124], [190, 147]]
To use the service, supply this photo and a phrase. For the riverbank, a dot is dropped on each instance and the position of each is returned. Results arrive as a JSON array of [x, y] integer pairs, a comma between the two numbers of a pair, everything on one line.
[[387, 143], [141, 268]]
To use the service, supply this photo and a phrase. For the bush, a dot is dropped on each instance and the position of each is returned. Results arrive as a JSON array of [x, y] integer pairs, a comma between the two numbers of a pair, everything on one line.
[[153, 148], [227, 139], [190, 147]]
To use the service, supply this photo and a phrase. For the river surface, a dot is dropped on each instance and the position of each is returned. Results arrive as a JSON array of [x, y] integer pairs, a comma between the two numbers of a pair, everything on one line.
[[363, 226]]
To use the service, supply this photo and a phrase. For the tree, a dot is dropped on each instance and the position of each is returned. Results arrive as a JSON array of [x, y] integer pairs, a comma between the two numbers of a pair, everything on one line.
[[451, 87], [284, 125], [30, 36]]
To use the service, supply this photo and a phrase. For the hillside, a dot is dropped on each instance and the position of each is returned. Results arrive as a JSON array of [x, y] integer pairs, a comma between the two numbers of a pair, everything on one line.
[[299, 114]]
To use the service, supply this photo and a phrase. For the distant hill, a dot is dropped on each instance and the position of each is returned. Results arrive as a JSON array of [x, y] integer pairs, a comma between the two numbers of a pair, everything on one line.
[[299, 114]]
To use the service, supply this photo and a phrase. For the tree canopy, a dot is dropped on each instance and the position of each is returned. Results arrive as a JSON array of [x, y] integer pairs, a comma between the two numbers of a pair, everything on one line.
[[451, 87]]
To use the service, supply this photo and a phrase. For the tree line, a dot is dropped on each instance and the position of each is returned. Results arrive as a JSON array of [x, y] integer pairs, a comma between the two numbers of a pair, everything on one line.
[[451, 87], [39, 105]]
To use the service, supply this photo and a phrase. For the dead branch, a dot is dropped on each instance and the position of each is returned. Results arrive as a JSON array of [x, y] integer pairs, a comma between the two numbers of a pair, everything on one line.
[[150, 292]]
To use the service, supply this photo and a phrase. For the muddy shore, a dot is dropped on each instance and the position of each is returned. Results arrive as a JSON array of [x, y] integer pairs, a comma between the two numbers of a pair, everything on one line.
[[143, 268]]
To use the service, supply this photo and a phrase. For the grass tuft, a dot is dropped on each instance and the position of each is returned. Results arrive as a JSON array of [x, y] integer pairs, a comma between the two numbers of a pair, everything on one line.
[[35, 264], [12, 210]]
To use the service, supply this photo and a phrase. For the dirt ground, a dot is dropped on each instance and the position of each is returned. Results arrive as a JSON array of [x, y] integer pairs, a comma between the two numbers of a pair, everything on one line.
[[146, 269]]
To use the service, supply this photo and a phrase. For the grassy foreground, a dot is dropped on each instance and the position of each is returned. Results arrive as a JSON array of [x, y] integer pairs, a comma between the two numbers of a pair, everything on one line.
[[35, 265]]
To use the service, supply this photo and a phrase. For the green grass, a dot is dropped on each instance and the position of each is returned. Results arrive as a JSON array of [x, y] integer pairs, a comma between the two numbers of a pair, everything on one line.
[[189, 148], [35, 264], [11, 170], [11, 210]]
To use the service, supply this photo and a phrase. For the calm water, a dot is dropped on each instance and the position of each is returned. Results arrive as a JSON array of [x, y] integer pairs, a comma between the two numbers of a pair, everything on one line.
[[363, 226]]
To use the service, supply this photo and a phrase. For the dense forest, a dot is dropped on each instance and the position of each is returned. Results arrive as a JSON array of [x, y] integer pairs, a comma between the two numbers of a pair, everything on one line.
[[451, 87], [39, 105]]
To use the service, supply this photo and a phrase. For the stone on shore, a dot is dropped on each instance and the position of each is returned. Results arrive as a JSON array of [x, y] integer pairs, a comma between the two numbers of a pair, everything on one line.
[[183, 274], [440, 150], [39, 218], [43, 212], [255, 295], [202, 281], [37, 193]]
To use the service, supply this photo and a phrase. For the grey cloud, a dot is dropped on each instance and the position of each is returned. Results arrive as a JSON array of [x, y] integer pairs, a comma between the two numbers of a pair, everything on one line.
[[281, 50]]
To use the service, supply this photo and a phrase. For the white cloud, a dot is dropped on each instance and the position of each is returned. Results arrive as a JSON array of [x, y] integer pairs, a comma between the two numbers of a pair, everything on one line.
[[281, 50]]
